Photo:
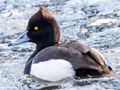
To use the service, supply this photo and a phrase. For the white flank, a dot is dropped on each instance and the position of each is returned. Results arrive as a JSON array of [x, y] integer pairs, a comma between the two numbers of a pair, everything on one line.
[[99, 54], [52, 70]]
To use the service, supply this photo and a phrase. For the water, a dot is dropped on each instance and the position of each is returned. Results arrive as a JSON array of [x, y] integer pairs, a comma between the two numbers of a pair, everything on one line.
[[95, 23]]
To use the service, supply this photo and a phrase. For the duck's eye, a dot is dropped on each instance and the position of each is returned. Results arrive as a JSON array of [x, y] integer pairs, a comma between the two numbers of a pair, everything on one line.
[[36, 28]]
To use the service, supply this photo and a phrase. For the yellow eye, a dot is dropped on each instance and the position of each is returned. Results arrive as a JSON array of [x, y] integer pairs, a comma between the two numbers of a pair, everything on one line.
[[36, 28]]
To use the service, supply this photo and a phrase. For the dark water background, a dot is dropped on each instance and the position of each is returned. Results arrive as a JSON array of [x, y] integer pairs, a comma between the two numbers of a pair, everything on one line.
[[95, 23]]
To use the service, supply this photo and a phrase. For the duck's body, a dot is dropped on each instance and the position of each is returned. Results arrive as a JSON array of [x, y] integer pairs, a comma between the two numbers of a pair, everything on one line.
[[52, 61]]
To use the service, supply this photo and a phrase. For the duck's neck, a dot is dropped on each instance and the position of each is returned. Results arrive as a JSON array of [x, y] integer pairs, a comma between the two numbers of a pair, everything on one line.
[[34, 53]]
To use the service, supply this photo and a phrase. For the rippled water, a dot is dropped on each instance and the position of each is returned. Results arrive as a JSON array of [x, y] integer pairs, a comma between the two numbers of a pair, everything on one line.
[[95, 23]]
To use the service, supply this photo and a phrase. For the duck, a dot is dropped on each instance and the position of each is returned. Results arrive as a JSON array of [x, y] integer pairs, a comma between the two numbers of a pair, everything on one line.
[[54, 61]]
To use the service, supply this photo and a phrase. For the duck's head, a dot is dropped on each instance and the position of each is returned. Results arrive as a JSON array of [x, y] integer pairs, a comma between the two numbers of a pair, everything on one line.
[[42, 29]]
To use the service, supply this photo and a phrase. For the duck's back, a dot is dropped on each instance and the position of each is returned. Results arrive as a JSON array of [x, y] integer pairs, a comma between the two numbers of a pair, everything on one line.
[[85, 61]]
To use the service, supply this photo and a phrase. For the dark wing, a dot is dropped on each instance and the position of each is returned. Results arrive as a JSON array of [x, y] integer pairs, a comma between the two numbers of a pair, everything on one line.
[[92, 58], [98, 59]]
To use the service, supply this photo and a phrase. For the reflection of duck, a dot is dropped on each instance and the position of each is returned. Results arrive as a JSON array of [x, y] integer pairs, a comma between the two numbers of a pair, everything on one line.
[[52, 61]]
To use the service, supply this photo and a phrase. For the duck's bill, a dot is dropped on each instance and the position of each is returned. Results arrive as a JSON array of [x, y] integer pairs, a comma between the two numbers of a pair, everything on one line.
[[23, 38]]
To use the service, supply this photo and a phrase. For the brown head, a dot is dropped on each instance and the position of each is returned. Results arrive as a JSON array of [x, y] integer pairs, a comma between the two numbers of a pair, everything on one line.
[[42, 29]]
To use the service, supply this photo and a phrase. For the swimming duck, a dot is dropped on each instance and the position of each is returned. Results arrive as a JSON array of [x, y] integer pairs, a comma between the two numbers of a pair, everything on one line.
[[52, 61]]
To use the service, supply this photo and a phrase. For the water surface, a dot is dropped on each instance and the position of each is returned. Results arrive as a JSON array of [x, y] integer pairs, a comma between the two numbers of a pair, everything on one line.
[[95, 23]]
